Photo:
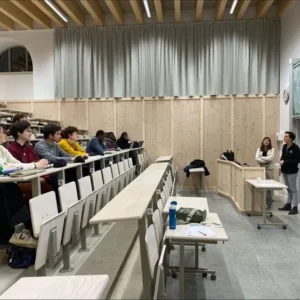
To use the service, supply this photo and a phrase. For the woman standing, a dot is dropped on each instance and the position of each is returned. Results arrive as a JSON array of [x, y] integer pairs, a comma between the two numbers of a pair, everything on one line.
[[264, 156]]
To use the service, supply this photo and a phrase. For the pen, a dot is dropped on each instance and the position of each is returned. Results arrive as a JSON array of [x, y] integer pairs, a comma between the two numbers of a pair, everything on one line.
[[202, 233]]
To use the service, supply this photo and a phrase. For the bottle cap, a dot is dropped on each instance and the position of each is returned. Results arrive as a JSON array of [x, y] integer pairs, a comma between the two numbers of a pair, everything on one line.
[[173, 203]]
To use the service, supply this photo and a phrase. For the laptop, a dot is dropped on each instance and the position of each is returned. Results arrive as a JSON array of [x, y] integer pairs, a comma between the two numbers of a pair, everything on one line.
[[141, 144]]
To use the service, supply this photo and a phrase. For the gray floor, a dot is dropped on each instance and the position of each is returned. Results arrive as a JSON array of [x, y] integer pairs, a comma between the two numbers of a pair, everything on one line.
[[254, 264]]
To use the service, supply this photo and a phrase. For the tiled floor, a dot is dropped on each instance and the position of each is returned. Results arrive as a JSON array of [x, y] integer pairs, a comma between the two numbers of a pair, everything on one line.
[[254, 264]]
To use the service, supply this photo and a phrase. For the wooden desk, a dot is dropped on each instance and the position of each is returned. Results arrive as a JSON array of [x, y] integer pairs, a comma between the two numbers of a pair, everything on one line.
[[164, 159], [188, 202], [58, 287]]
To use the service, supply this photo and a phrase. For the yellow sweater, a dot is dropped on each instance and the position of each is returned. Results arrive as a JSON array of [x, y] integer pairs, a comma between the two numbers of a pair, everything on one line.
[[72, 149]]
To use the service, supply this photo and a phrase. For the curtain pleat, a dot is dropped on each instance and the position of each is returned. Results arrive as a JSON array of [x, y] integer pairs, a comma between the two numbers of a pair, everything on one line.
[[208, 58]]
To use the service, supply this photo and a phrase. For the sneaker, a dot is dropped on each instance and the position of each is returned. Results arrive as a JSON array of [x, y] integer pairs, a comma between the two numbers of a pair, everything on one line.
[[23, 239], [287, 207], [294, 211]]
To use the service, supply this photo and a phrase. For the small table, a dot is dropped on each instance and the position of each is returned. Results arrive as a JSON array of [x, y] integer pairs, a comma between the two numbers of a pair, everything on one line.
[[179, 235], [58, 287], [164, 159], [188, 202], [266, 185], [202, 177]]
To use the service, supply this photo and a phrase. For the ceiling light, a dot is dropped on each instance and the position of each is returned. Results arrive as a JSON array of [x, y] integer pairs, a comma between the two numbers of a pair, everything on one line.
[[147, 8], [50, 3], [233, 6]]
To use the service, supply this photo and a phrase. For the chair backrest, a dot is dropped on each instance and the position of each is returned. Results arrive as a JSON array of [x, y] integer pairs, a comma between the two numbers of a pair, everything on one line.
[[102, 197], [121, 167], [67, 195], [85, 186], [42, 208], [97, 180], [160, 278], [115, 171], [130, 162], [156, 219], [160, 208], [152, 248], [89, 208], [163, 198], [126, 165], [107, 176], [140, 159]]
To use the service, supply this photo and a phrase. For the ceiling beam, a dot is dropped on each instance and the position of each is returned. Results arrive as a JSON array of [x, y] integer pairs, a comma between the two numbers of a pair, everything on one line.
[[282, 6], [199, 9], [95, 10], [49, 12], [177, 9], [262, 7], [138, 10], [73, 10], [159, 10], [33, 12], [6, 22], [15, 14], [220, 6], [116, 10], [241, 8]]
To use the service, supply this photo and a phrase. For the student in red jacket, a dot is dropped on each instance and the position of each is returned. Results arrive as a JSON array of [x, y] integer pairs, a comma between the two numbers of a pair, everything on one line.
[[24, 152]]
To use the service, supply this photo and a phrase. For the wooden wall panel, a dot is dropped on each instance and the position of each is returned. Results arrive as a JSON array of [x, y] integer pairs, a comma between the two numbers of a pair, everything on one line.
[[129, 118], [186, 136], [20, 105], [216, 133], [248, 131], [74, 113], [158, 128], [100, 116], [48, 110]]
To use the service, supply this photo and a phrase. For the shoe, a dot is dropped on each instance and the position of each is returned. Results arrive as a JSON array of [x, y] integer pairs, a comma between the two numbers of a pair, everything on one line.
[[23, 239], [294, 211], [287, 207]]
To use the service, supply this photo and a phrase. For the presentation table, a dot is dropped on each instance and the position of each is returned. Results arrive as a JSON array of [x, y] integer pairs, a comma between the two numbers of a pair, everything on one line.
[[264, 185], [188, 233], [58, 287], [164, 159]]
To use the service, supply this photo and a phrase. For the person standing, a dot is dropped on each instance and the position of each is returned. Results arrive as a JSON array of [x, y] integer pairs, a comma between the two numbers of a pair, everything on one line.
[[264, 157], [289, 161]]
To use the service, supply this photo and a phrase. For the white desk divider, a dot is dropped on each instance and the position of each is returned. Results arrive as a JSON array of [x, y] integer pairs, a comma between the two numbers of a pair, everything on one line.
[[88, 213], [71, 231], [67, 195], [49, 242]]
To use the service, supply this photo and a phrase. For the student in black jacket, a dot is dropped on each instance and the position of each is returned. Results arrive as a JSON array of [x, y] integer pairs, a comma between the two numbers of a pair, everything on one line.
[[289, 161]]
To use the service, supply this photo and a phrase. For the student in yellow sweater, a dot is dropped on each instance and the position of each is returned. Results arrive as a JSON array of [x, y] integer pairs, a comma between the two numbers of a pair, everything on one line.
[[69, 142]]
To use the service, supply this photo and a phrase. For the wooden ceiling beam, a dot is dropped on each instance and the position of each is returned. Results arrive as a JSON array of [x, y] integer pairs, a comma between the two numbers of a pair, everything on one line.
[[138, 10], [282, 6], [177, 10], [14, 13], [6, 22], [95, 10], [33, 12], [262, 7], [116, 10], [73, 10], [49, 12], [220, 6], [199, 9], [159, 10], [241, 8]]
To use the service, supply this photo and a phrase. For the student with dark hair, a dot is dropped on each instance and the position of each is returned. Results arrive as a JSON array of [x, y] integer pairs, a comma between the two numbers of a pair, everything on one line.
[[123, 141], [290, 158], [110, 141], [19, 117], [48, 147], [96, 144], [69, 142]]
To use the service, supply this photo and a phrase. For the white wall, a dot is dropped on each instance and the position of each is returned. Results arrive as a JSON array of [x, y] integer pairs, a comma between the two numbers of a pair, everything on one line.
[[290, 48], [40, 44]]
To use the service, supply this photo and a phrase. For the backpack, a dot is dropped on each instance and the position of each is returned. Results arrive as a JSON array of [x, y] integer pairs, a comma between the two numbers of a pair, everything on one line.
[[21, 257]]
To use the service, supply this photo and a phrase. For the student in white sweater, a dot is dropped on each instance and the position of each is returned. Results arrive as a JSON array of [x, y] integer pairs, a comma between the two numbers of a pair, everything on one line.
[[265, 155], [8, 161]]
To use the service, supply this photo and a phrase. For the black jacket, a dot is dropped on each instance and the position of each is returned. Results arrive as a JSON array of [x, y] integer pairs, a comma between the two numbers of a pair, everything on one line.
[[291, 158], [197, 163]]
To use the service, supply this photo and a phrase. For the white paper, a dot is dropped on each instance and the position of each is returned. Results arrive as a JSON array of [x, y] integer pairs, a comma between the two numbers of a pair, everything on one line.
[[199, 230]]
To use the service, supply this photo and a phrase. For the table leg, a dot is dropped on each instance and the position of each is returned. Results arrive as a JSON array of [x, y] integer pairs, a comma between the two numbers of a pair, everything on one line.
[[202, 185], [181, 272], [79, 172], [253, 191], [196, 255], [36, 186], [264, 206]]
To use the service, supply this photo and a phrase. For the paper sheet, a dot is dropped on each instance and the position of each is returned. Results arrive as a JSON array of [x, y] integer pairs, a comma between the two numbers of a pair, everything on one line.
[[199, 230]]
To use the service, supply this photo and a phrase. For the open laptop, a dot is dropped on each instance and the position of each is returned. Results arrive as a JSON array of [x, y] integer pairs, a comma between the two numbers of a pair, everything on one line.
[[141, 144]]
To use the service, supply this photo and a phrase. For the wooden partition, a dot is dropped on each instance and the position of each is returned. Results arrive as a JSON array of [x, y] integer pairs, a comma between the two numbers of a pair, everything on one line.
[[186, 127], [231, 183]]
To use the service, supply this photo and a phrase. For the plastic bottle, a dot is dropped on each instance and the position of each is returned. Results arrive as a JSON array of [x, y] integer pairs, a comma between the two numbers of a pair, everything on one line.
[[172, 215]]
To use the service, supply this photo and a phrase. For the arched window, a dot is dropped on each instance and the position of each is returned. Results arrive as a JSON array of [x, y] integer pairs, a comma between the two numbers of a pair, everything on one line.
[[15, 59]]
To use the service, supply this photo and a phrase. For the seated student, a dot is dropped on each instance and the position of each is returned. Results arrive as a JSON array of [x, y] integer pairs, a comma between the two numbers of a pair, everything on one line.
[[69, 142], [110, 141], [19, 117], [24, 152], [48, 147], [123, 141], [96, 144]]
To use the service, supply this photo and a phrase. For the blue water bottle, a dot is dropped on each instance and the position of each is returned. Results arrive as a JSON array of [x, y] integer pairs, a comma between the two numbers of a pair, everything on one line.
[[172, 215]]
